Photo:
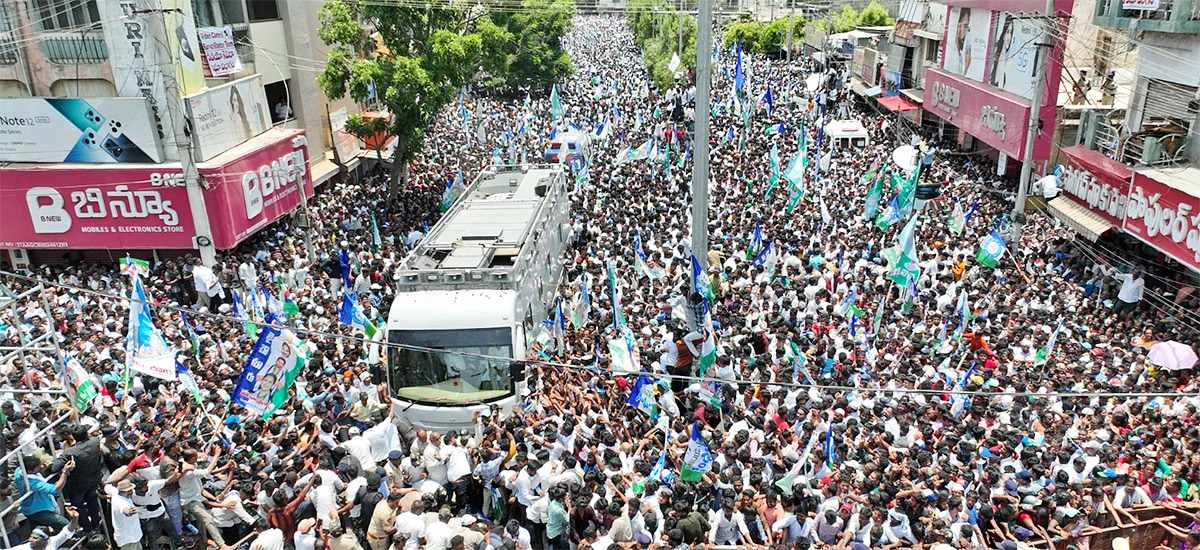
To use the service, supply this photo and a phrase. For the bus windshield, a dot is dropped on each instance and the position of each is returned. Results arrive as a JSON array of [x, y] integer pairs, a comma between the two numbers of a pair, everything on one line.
[[437, 378]]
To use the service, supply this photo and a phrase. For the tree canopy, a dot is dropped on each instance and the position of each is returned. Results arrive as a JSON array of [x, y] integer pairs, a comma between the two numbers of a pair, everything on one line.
[[416, 59], [655, 25]]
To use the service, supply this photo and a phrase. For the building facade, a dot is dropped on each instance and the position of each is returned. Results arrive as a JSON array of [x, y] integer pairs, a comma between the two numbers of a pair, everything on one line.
[[179, 124], [1135, 171]]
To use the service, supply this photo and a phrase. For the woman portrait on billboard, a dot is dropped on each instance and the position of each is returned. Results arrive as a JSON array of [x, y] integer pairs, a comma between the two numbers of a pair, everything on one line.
[[1000, 54], [238, 108]]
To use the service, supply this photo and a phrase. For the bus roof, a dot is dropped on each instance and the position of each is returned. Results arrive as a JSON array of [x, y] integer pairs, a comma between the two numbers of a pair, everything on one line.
[[488, 226], [452, 309]]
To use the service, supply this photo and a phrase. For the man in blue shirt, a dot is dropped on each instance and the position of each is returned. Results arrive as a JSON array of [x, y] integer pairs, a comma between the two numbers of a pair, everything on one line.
[[41, 508]]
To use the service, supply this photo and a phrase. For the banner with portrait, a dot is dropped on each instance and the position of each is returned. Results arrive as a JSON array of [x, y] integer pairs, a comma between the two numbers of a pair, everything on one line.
[[967, 34], [272, 361], [1014, 55]]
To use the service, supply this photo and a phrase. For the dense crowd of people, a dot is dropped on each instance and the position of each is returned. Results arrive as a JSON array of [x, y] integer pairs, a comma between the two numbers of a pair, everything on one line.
[[933, 424]]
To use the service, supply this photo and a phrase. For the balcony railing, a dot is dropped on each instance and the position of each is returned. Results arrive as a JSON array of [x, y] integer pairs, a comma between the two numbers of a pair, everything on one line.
[[74, 47], [8, 48]]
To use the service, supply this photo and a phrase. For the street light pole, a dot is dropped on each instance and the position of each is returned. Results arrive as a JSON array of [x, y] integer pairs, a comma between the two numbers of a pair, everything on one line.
[[700, 139], [1031, 130]]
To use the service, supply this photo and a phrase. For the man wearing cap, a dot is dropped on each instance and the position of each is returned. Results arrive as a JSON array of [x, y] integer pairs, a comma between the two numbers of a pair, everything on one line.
[[127, 528], [469, 529], [41, 539]]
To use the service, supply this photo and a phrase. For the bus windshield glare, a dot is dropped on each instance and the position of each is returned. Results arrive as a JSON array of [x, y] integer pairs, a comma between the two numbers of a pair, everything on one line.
[[442, 378]]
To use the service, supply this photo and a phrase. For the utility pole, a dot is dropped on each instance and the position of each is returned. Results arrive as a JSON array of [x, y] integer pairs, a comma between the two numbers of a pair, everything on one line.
[[700, 139], [680, 50], [1031, 131], [791, 26], [182, 142]]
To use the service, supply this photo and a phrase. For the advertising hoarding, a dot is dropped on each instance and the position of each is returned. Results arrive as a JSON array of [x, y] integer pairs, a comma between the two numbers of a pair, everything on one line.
[[227, 115], [133, 56], [185, 50], [34, 129], [967, 33], [1014, 55], [257, 188], [345, 143], [102, 208], [1165, 218], [219, 51]]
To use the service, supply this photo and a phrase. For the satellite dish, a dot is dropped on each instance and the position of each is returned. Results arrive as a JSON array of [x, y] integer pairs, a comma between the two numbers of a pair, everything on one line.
[[813, 82], [905, 157]]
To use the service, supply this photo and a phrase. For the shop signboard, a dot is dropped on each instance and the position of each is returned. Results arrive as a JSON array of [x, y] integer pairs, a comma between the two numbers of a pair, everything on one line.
[[1166, 218], [1096, 182], [998, 119], [101, 130], [227, 115], [254, 189], [114, 208]]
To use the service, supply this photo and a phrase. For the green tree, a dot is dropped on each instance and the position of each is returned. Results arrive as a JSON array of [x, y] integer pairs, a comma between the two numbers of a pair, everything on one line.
[[655, 26], [875, 15], [414, 63], [846, 20], [746, 33], [416, 59], [773, 36], [532, 41]]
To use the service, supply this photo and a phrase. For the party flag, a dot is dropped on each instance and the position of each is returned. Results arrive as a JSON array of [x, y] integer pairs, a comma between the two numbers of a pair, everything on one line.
[[697, 460], [991, 249]]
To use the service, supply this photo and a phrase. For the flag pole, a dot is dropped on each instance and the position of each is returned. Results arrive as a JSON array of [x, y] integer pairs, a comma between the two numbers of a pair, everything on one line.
[[1020, 269]]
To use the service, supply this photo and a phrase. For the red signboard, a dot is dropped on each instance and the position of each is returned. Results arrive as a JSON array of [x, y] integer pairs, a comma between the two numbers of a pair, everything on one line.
[[1097, 182], [1166, 218], [147, 207], [246, 192], [79, 206], [997, 118]]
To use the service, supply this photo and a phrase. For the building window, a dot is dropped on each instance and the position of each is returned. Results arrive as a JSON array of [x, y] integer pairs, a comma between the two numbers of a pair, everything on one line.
[[56, 15], [278, 98], [262, 10]]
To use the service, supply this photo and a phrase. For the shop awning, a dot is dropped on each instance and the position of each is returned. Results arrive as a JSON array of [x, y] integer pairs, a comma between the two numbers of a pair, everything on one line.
[[873, 91], [322, 171], [1078, 217], [897, 103]]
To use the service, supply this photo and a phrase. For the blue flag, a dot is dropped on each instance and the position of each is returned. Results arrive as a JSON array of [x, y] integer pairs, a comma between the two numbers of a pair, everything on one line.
[[739, 79], [641, 395], [351, 313], [831, 456]]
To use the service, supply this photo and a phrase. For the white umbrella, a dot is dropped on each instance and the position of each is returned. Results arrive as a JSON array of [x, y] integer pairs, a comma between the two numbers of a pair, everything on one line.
[[1173, 355]]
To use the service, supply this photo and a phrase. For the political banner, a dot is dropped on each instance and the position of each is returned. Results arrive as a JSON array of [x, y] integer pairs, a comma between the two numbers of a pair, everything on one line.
[[271, 361], [147, 351]]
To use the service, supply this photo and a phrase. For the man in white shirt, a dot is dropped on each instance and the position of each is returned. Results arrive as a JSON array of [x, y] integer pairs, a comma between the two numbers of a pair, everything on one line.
[[438, 533], [433, 459], [268, 538], [191, 497], [39, 536], [1132, 288], [458, 472], [411, 527], [127, 528]]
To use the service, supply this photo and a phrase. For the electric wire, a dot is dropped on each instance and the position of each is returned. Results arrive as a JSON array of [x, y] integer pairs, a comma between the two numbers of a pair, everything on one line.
[[589, 369]]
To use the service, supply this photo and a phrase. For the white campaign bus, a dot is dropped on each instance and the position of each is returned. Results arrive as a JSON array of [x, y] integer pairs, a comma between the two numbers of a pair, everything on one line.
[[481, 282]]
